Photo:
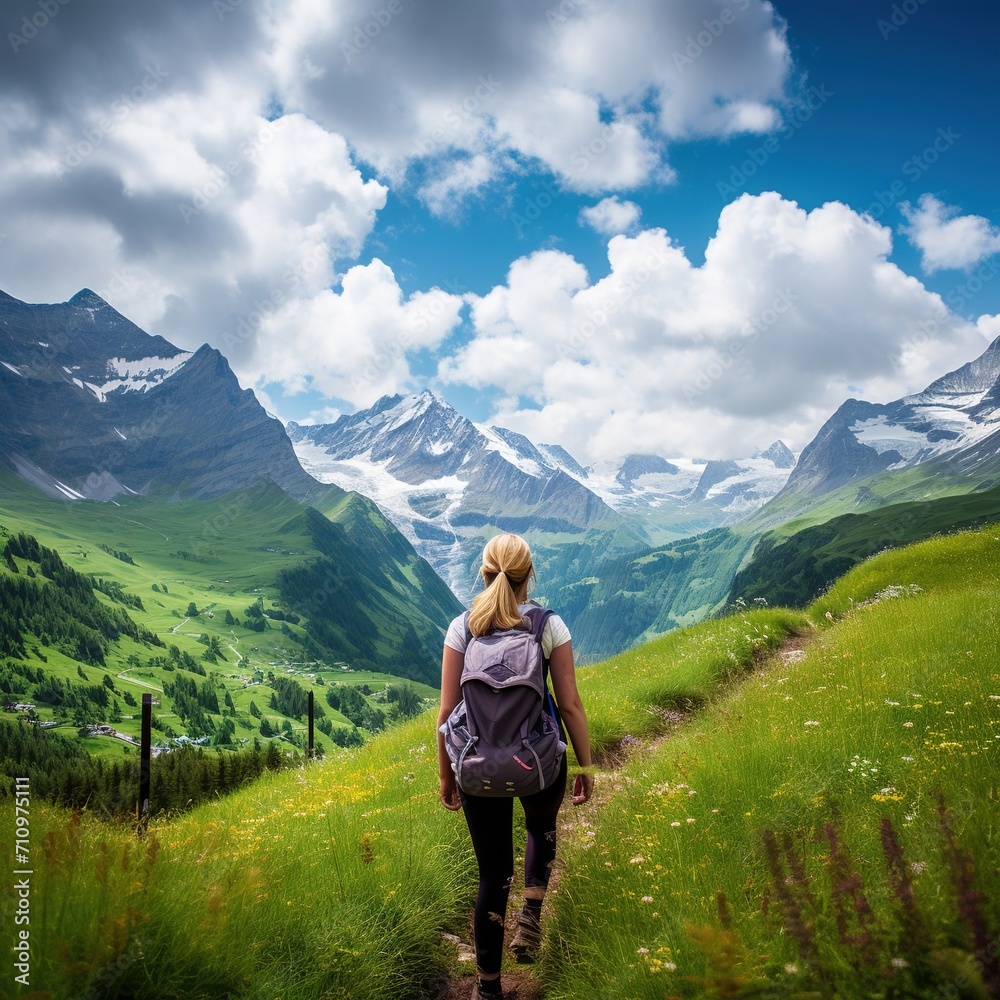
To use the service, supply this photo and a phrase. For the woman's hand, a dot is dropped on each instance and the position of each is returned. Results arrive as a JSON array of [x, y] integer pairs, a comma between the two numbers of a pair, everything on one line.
[[448, 794], [583, 788]]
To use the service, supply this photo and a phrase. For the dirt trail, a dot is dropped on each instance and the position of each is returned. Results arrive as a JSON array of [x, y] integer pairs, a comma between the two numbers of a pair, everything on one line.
[[575, 822]]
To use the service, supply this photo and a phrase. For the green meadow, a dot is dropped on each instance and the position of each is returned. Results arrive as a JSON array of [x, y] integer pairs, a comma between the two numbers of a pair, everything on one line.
[[789, 804], [221, 556]]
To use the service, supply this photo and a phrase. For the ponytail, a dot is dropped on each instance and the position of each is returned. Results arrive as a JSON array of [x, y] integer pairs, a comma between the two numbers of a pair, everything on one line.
[[506, 566]]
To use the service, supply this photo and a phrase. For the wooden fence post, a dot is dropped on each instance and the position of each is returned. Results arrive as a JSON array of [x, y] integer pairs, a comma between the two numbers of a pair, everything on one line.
[[309, 752], [142, 808]]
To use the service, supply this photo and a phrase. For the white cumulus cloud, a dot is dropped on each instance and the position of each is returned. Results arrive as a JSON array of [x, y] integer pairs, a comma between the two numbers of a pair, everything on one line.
[[791, 312], [610, 216], [946, 239], [594, 92], [353, 344]]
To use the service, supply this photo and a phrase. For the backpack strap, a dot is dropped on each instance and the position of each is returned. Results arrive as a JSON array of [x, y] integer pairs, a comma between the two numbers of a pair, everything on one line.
[[538, 616]]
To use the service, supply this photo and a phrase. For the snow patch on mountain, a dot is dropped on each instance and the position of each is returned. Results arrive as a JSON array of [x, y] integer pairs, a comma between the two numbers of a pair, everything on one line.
[[516, 449], [956, 417], [12, 368], [422, 512], [141, 374]]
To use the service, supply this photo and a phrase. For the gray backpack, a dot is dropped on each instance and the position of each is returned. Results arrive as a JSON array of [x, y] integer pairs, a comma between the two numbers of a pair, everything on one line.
[[501, 738]]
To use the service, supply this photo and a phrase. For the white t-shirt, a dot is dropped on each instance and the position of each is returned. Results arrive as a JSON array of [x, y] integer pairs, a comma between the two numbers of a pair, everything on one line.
[[554, 634]]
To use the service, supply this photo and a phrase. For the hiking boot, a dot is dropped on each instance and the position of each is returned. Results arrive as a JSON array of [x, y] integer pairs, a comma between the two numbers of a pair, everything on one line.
[[477, 994], [527, 939]]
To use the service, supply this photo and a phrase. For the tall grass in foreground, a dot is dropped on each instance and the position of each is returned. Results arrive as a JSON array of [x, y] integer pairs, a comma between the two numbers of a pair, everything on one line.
[[336, 881], [830, 829], [333, 882], [788, 840]]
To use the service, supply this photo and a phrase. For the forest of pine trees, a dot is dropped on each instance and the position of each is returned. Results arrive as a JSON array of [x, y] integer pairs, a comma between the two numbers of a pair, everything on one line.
[[62, 611], [62, 772]]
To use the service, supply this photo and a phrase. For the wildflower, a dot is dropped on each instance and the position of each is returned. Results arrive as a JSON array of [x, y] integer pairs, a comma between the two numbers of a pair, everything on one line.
[[908, 725], [716, 810], [906, 758], [647, 899], [791, 968], [811, 722], [892, 704], [675, 823], [917, 867], [637, 860], [642, 951], [993, 697], [670, 966], [899, 963], [690, 819]]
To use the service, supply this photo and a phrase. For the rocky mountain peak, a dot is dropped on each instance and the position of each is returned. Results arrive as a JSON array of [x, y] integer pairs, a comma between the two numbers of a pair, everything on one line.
[[779, 453], [87, 299], [978, 376], [642, 465]]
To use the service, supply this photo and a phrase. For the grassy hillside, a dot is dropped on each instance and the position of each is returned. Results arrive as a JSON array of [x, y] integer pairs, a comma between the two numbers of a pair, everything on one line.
[[279, 591], [794, 569], [822, 826], [625, 599], [637, 597]]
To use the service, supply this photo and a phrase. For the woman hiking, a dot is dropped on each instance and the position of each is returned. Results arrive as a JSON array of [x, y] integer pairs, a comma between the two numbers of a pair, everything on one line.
[[506, 571]]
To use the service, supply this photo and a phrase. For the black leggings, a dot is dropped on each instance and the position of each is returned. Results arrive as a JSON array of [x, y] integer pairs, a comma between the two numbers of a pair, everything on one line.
[[491, 825]]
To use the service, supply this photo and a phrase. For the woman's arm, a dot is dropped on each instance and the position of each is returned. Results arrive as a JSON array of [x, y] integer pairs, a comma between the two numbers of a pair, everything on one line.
[[452, 662], [563, 675]]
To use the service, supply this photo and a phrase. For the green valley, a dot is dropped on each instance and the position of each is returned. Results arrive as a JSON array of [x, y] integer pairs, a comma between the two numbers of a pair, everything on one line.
[[227, 611]]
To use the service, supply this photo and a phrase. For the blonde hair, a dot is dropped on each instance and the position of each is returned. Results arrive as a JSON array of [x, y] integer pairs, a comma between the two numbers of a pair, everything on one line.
[[506, 567]]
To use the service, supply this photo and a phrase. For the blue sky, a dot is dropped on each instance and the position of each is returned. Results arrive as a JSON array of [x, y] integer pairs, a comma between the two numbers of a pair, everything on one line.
[[512, 202]]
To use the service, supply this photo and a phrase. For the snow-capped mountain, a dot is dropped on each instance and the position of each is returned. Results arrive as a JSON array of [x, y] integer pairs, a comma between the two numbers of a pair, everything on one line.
[[721, 491], [955, 419], [442, 478], [94, 407]]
